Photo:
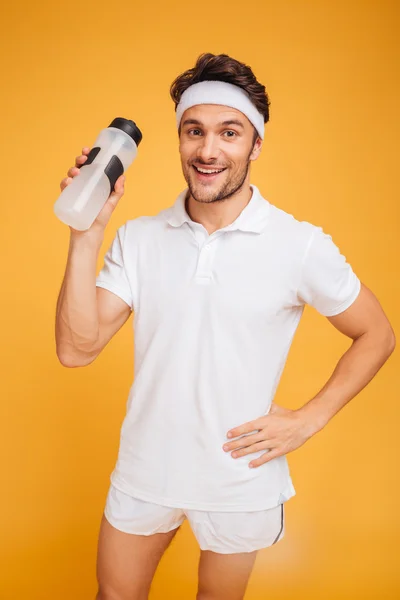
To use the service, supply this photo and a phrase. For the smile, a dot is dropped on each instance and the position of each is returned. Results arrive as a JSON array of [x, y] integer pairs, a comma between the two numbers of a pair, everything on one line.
[[207, 173]]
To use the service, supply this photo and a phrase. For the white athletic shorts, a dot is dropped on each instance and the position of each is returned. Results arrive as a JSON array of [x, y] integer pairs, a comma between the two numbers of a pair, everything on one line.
[[222, 532]]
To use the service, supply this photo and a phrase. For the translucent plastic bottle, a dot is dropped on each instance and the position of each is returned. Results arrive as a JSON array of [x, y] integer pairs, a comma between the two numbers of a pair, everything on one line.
[[113, 152]]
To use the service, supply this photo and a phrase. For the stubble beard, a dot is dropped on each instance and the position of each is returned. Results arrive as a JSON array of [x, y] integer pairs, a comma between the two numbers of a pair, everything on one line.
[[230, 188]]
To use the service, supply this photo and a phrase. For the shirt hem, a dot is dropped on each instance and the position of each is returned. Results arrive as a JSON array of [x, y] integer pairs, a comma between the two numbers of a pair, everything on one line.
[[170, 503], [347, 303], [115, 290]]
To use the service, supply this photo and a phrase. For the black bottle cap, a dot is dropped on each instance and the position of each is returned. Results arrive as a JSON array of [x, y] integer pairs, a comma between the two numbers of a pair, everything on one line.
[[129, 127]]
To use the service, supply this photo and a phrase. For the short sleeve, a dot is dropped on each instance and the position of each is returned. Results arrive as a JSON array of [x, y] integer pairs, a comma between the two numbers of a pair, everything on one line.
[[328, 282], [113, 275]]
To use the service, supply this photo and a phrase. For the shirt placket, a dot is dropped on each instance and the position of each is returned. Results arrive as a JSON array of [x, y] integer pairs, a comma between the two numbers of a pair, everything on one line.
[[206, 253]]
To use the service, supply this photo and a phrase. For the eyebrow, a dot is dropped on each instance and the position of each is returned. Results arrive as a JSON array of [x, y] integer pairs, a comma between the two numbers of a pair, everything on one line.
[[227, 122]]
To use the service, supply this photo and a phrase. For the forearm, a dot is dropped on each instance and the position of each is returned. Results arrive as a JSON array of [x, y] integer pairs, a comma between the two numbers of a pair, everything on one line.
[[77, 326], [358, 365]]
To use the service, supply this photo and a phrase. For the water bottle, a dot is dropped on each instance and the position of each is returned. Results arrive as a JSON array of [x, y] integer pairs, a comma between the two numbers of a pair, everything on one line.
[[113, 152]]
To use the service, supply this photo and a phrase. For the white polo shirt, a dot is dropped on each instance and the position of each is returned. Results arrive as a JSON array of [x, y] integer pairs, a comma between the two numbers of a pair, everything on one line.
[[214, 318]]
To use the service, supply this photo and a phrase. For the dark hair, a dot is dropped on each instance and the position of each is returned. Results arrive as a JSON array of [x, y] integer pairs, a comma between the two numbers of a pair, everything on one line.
[[222, 67]]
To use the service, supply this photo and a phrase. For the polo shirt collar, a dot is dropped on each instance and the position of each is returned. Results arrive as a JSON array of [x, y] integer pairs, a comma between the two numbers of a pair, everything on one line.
[[252, 218]]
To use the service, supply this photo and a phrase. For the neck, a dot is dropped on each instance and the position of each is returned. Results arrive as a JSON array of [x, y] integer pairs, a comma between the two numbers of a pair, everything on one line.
[[221, 213]]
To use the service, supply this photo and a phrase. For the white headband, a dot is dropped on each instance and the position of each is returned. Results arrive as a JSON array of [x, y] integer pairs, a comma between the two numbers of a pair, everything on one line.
[[220, 92]]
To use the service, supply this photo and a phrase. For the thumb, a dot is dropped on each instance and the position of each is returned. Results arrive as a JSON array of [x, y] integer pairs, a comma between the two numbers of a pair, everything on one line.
[[105, 214], [119, 189], [115, 195]]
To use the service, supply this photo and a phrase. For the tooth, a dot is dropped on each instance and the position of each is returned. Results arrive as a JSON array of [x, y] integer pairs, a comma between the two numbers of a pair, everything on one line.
[[209, 171]]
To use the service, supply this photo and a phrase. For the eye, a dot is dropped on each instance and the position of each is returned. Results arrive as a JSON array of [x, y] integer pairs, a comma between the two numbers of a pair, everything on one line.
[[228, 131]]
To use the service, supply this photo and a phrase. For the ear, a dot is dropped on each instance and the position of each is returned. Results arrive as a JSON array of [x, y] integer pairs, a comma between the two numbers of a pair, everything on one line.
[[255, 153]]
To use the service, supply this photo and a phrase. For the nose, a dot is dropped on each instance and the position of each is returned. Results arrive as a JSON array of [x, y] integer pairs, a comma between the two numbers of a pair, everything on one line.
[[208, 148]]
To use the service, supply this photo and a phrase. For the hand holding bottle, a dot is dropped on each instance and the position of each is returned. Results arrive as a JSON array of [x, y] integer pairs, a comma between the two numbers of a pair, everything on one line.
[[95, 184], [100, 223]]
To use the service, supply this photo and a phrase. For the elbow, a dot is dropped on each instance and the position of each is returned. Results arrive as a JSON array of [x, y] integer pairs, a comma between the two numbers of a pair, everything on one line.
[[71, 357], [390, 338], [68, 361], [388, 341], [72, 361], [392, 342]]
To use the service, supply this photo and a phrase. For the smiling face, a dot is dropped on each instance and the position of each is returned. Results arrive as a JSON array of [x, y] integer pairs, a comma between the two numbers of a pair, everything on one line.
[[216, 138]]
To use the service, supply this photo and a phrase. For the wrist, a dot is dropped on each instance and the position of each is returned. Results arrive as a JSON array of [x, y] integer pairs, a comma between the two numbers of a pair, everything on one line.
[[313, 421], [86, 239]]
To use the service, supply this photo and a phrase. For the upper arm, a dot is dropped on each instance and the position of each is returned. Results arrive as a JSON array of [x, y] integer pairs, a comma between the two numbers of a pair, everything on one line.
[[114, 292], [330, 285], [112, 312], [364, 315]]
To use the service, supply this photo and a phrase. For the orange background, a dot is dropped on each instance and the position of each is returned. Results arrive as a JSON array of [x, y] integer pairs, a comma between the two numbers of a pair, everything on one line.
[[330, 157]]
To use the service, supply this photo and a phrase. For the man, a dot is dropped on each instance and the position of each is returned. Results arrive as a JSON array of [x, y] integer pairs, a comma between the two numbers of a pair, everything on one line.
[[218, 283]]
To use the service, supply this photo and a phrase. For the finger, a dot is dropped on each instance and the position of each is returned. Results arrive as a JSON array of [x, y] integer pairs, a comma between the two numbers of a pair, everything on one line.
[[119, 186], [64, 182], [245, 428], [265, 458], [115, 196], [244, 441], [73, 171], [80, 160], [263, 445]]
